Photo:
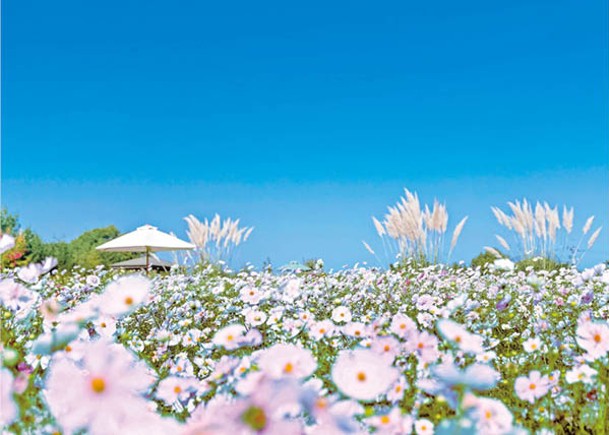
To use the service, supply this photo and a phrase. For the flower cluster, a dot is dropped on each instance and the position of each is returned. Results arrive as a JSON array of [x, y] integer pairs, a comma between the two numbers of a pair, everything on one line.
[[416, 350]]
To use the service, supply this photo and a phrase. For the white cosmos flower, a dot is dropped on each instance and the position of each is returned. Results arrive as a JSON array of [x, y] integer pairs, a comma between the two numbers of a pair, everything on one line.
[[7, 242], [287, 360], [423, 427], [533, 344], [124, 295], [363, 374], [255, 317], [583, 373], [341, 314]]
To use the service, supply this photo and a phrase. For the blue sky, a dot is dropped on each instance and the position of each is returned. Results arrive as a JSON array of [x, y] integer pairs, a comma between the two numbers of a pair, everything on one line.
[[301, 119]]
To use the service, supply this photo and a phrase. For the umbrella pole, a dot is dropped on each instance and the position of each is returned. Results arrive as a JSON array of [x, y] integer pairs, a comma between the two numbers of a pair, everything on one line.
[[147, 261]]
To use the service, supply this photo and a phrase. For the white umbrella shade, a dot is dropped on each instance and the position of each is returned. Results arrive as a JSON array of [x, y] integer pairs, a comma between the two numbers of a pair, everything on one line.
[[145, 239]]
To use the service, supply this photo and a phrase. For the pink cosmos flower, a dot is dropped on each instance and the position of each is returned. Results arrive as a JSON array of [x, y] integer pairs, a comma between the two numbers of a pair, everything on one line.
[[8, 408], [402, 325], [124, 295], [229, 337], [492, 417], [391, 423], [102, 395], [424, 346], [174, 388], [593, 337], [356, 329], [532, 387], [287, 360], [467, 342], [363, 374], [388, 347], [324, 328]]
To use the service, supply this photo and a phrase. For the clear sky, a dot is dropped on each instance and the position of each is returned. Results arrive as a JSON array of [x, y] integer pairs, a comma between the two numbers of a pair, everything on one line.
[[301, 118]]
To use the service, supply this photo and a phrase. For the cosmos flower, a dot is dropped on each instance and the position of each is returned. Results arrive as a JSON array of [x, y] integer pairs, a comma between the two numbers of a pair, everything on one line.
[[124, 295], [287, 360], [388, 347], [532, 387], [8, 408], [102, 395], [402, 325], [363, 374], [229, 337], [356, 330], [255, 317], [423, 427], [532, 344], [492, 417], [593, 337], [251, 295], [392, 422], [324, 328], [7, 242], [476, 376], [15, 296], [424, 345], [175, 388], [583, 373], [341, 314], [467, 342]]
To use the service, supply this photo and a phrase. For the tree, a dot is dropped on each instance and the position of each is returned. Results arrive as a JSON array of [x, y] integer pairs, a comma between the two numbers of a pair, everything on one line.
[[484, 259], [83, 253]]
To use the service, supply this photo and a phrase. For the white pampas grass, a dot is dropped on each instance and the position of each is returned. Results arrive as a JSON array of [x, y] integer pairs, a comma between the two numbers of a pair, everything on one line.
[[216, 239], [503, 242], [593, 237], [457, 233], [588, 225], [418, 233]]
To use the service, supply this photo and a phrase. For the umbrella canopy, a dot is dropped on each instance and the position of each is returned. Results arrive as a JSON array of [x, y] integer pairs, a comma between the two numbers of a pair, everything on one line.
[[145, 239]]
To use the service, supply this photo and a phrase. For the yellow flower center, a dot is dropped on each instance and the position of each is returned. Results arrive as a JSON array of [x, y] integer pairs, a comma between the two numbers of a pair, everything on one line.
[[288, 368], [385, 419], [361, 376], [98, 385], [128, 300], [597, 338], [387, 348], [532, 386], [458, 339], [488, 414], [177, 389]]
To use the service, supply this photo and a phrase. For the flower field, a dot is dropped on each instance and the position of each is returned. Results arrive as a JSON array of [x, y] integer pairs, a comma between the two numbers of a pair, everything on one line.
[[408, 350]]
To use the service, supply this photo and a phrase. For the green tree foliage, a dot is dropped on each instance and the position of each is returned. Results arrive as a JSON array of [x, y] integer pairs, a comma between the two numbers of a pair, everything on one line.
[[83, 253], [29, 247], [483, 260]]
